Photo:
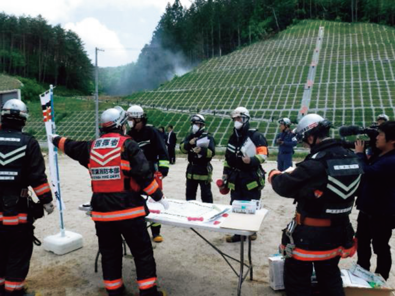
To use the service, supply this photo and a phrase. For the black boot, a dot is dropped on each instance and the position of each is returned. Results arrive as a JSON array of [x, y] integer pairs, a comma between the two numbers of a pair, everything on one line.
[[234, 238]]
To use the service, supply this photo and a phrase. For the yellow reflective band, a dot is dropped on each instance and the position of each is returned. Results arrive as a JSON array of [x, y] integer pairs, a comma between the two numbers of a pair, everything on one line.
[[252, 185], [198, 177], [164, 163], [261, 158], [183, 150]]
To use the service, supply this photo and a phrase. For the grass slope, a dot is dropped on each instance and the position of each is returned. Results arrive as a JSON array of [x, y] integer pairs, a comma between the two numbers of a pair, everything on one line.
[[354, 81]]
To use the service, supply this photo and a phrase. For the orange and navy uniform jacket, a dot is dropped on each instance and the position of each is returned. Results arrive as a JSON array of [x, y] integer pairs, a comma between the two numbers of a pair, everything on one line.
[[119, 172], [315, 190], [21, 165], [250, 176]]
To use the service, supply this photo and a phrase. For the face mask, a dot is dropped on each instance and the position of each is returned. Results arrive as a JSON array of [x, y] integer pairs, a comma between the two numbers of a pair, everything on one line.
[[131, 124], [238, 125], [195, 128]]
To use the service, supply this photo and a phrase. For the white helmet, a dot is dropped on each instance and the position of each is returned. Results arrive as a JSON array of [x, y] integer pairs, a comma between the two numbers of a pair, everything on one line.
[[197, 118], [113, 118], [14, 109], [310, 124], [286, 121], [135, 111], [240, 112], [383, 117]]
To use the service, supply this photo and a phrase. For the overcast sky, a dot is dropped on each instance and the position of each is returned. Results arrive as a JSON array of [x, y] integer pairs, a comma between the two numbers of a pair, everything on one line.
[[120, 27]]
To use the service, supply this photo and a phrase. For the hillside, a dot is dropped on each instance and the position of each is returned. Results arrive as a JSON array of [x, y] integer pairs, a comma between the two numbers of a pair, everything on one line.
[[349, 80]]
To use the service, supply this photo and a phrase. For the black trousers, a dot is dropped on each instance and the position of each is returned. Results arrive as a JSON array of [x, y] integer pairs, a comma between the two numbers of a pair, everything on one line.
[[205, 189], [155, 229], [376, 231], [135, 233], [172, 154], [297, 277], [16, 248]]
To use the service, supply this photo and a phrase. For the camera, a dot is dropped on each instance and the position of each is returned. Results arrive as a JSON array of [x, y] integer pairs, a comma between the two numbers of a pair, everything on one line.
[[354, 130]]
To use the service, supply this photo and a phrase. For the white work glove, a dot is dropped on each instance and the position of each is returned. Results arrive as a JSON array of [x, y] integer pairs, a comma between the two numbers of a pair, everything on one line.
[[49, 207], [289, 170], [52, 136], [164, 202]]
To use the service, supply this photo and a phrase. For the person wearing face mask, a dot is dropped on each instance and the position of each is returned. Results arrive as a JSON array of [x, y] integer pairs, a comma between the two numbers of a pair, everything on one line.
[[151, 142], [200, 147], [242, 170]]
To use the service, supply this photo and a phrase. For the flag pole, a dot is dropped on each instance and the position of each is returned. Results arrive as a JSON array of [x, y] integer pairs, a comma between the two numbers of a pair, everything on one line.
[[65, 241], [58, 192]]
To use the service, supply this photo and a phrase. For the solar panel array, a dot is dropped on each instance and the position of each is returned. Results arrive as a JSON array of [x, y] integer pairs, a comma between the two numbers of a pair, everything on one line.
[[354, 82]]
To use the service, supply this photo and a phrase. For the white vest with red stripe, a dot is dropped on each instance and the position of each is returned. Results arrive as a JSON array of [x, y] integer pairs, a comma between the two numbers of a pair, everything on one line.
[[106, 165]]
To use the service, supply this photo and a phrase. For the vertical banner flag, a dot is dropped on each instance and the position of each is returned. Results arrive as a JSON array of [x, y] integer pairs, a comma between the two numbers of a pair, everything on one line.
[[49, 120]]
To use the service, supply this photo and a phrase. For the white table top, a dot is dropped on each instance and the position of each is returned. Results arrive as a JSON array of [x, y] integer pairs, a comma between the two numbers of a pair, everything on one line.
[[214, 225]]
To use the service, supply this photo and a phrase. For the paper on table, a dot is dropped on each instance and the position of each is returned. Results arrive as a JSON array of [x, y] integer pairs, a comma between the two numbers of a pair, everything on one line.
[[203, 142], [248, 148], [245, 221]]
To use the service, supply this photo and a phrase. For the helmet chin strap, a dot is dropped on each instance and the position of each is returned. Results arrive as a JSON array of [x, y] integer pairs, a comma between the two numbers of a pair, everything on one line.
[[314, 142], [311, 145]]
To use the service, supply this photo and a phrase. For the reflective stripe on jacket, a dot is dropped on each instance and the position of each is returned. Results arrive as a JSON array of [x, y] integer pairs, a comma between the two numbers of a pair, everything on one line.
[[21, 218], [42, 189], [308, 255], [119, 215]]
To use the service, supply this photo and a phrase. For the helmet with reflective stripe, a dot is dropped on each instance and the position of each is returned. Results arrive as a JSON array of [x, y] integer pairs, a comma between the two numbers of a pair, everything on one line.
[[135, 111], [312, 124], [113, 118], [241, 112], [285, 121], [197, 118], [14, 109], [383, 117]]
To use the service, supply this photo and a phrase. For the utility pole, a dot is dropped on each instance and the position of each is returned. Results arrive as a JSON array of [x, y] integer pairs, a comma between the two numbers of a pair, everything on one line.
[[275, 17], [97, 92]]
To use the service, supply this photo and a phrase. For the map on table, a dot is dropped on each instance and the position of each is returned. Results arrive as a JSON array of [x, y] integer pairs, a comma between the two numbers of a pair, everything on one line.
[[187, 210]]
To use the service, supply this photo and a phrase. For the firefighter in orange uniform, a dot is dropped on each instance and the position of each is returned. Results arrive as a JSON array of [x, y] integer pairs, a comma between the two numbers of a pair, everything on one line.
[[120, 173], [21, 165], [324, 186]]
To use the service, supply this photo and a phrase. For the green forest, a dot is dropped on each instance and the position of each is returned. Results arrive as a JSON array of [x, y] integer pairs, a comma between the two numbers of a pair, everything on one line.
[[184, 37], [31, 48]]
